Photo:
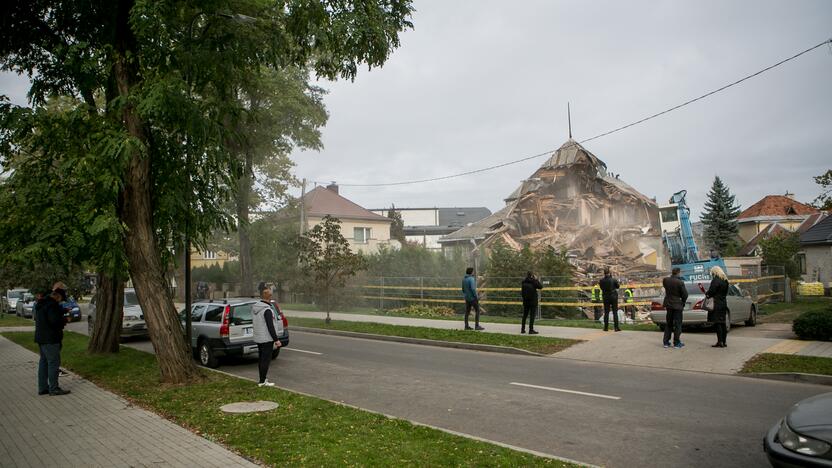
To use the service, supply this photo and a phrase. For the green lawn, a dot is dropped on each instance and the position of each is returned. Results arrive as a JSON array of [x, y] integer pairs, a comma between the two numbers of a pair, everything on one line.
[[770, 362], [11, 320], [782, 312], [537, 344], [647, 326], [304, 431]]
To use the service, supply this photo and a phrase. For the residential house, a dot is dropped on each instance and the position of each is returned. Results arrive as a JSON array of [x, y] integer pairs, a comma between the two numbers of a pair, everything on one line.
[[366, 231], [780, 209], [426, 225], [815, 257], [209, 257]]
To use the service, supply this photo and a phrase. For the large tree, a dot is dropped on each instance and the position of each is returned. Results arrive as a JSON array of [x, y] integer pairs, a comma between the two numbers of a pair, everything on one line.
[[159, 76], [824, 200], [720, 219]]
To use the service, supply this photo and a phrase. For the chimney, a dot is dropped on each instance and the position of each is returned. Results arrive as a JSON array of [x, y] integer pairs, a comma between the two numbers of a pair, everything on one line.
[[333, 186], [788, 194]]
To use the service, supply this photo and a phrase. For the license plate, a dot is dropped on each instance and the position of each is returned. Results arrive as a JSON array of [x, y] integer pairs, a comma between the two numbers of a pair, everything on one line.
[[248, 331]]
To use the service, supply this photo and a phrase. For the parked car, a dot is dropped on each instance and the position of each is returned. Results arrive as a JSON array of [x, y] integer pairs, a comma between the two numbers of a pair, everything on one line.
[[72, 311], [10, 298], [804, 436], [25, 305], [132, 319], [225, 329], [742, 307]]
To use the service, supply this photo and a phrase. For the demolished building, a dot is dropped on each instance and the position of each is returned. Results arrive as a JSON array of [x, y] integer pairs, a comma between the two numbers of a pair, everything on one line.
[[572, 202]]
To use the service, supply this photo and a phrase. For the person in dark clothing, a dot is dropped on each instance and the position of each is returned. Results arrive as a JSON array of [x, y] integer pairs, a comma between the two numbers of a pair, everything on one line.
[[675, 296], [528, 289], [609, 290], [49, 335], [719, 291], [267, 329], [472, 300]]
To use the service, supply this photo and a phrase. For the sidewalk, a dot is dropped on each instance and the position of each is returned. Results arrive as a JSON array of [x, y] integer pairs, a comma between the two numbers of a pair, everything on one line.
[[89, 427], [637, 348]]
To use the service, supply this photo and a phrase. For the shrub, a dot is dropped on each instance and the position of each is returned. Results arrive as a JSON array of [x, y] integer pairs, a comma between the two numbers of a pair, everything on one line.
[[423, 311], [814, 325]]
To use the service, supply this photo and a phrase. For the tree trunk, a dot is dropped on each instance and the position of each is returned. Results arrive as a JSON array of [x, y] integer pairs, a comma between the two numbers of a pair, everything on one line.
[[243, 204], [146, 270], [109, 301]]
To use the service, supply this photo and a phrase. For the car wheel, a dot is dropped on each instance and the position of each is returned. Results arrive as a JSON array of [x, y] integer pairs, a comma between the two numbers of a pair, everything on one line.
[[752, 318], [727, 321], [206, 355], [275, 354]]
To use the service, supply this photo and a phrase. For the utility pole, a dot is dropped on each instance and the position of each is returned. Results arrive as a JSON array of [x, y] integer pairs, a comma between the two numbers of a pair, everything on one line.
[[302, 207]]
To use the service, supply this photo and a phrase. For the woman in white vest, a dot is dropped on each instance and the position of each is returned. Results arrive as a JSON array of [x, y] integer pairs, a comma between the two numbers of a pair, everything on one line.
[[266, 330]]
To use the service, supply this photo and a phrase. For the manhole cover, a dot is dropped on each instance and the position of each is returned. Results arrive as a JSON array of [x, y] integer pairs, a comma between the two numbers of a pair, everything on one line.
[[249, 407]]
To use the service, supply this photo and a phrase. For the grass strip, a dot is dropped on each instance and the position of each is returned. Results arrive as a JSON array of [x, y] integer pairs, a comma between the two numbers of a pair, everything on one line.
[[10, 320], [772, 362], [575, 323], [537, 344], [786, 312], [303, 431]]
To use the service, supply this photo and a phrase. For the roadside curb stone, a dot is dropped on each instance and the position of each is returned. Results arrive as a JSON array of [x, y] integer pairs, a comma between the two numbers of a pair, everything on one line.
[[798, 377]]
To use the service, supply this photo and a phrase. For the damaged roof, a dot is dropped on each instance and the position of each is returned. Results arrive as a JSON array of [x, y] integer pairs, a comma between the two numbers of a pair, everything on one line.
[[776, 206]]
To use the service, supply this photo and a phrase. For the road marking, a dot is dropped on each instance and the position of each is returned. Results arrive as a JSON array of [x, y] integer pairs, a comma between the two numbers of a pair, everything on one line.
[[563, 390], [304, 351]]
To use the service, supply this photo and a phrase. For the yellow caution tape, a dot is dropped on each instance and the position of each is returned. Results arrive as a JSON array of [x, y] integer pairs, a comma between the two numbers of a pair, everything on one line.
[[459, 301]]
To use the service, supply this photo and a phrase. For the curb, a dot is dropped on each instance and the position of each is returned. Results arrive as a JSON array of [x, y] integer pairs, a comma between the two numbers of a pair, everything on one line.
[[420, 341], [792, 377]]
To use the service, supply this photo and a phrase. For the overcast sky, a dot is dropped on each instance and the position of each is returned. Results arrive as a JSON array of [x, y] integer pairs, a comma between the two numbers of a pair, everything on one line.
[[478, 83]]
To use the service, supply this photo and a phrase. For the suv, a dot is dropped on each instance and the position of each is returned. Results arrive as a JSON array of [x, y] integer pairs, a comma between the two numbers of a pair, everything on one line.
[[225, 329], [8, 303], [132, 319]]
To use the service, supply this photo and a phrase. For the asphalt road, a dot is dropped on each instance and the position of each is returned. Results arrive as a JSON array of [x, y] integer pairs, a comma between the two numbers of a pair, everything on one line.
[[604, 414]]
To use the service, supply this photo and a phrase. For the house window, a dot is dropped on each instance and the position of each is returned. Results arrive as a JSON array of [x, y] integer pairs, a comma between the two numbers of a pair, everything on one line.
[[801, 263], [361, 235], [208, 255]]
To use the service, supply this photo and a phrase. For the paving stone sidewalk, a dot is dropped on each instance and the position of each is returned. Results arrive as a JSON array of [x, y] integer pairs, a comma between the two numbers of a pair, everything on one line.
[[89, 427], [637, 348]]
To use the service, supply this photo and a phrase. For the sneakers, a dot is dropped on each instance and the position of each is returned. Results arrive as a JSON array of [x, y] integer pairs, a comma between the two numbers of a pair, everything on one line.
[[666, 345], [679, 345], [533, 332], [62, 373], [59, 392], [479, 328], [468, 328], [266, 383]]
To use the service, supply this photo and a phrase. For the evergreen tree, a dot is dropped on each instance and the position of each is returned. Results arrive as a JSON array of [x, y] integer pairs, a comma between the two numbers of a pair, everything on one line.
[[397, 228], [720, 220]]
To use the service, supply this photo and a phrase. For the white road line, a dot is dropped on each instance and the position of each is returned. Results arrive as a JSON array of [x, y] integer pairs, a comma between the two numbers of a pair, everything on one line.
[[304, 351], [597, 395]]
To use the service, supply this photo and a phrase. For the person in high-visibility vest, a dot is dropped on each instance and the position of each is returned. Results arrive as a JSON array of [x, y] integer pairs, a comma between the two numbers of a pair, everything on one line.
[[597, 299], [628, 301]]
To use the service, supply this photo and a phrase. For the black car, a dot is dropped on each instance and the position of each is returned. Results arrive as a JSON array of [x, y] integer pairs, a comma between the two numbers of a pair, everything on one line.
[[804, 437]]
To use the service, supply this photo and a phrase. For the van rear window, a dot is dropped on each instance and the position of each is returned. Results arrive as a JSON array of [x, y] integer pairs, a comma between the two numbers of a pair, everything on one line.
[[214, 313], [241, 314]]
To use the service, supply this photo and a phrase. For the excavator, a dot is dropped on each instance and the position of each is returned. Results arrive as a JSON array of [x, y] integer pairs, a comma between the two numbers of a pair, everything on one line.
[[677, 235]]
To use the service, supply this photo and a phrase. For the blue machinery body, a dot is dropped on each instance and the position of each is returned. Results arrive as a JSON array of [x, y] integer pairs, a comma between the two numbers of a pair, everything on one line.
[[684, 253]]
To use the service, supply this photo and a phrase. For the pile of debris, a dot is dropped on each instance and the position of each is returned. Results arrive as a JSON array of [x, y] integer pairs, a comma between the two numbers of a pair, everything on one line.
[[572, 202]]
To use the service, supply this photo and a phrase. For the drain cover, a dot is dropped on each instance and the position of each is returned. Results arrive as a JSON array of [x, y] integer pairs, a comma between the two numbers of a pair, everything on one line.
[[249, 407]]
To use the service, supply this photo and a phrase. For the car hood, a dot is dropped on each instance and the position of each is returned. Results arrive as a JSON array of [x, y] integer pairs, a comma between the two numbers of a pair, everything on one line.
[[12, 302], [813, 417], [133, 310]]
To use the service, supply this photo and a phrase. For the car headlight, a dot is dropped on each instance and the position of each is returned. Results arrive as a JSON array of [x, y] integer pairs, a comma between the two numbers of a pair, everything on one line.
[[800, 444], [130, 318], [76, 309]]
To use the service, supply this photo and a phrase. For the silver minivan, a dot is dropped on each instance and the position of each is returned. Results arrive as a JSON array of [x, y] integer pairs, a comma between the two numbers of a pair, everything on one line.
[[225, 329], [132, 319]]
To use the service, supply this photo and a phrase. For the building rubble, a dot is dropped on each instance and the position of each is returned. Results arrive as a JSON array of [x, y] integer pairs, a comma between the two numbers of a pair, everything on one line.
[[573, 202]]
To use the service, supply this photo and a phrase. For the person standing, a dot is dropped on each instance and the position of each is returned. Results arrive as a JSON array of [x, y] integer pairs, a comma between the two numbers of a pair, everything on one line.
[[609, 291], [528, 289], [628, 301], [675, 296], [49, 335], [266, 331], [596, 299], [469, 292], [719, 291]]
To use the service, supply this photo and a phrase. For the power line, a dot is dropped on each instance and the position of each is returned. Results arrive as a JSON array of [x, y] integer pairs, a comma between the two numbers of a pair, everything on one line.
[[600, 135]]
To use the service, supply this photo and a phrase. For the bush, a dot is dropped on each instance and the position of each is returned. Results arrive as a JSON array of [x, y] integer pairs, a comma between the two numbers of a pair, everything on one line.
[[814, 325], [423, 311]]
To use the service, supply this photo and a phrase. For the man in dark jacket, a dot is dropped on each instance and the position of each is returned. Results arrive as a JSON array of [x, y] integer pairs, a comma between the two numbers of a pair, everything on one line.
[[49, 335], [675, 296], [528, 289], [609, 290]]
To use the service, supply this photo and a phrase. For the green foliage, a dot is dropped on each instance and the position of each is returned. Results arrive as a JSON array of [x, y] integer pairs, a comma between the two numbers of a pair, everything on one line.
[[781, 250], [824, 200], [720, 219], [411, 261], [397, 228], [274, 246], [229, 272], [423, 311], [814, 325], [326, 261]]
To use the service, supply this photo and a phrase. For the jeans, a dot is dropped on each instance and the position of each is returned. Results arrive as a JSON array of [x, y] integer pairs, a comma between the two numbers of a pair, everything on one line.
[[265, 351], [611, 304], [674, 322], [529, 310], [50, 362], [476, 305]]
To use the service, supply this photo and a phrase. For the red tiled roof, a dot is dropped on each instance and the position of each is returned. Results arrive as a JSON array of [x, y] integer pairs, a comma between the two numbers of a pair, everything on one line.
[[777, 205], [322, 201]]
